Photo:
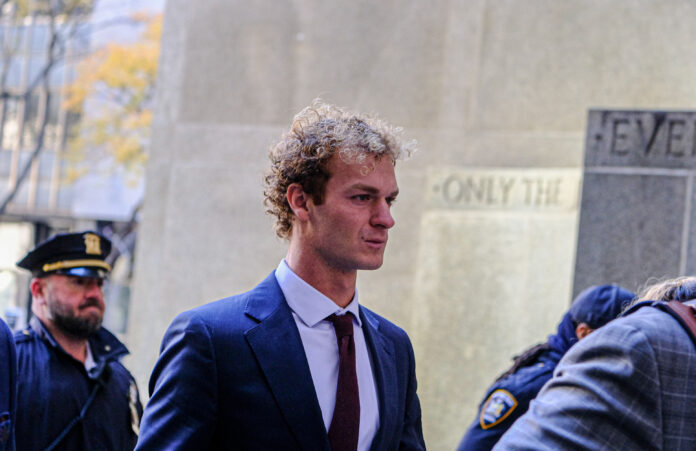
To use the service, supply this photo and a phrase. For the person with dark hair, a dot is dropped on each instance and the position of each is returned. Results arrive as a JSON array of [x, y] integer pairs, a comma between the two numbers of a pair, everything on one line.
[[73, 393], [509, 396], [297, 363], [629, 385], [8, 388]]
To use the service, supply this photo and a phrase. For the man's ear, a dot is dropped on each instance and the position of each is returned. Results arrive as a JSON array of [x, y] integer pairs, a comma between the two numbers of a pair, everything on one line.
[[583, 330], [37, 288], [298, 199]]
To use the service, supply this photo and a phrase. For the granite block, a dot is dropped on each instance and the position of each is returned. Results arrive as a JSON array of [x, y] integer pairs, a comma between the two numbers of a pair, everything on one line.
[[630, 229]]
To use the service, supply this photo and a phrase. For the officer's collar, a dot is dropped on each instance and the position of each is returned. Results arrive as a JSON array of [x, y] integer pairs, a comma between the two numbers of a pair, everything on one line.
[[641, 304], [638, 305], [103, 344]]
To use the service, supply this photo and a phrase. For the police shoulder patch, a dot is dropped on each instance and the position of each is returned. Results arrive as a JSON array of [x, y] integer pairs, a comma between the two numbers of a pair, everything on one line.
[[497, 407]]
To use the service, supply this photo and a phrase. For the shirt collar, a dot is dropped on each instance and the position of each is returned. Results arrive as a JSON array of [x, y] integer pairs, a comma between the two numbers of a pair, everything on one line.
[[309, 304], [104, 346], [89, 359]]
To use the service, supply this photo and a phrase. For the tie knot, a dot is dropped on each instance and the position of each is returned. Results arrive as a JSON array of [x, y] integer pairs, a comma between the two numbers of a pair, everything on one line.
[[343, 324]]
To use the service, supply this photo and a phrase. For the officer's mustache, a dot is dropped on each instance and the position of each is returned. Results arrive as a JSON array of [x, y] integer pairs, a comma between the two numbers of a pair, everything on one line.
[[91, 302]]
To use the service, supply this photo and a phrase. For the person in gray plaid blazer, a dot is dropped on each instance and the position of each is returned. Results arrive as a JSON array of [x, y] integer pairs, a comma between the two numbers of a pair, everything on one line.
[[629, 385]]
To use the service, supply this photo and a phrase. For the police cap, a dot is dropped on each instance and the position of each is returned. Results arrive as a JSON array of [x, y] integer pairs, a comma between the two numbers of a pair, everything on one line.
[[600, 304], [80, 254]]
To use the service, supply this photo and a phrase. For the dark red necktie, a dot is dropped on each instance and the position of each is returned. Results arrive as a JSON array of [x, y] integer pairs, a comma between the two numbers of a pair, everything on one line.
[[345, 424]]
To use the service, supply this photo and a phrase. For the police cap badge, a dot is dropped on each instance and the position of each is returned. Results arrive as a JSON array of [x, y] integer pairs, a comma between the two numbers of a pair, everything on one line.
[[80, 254]]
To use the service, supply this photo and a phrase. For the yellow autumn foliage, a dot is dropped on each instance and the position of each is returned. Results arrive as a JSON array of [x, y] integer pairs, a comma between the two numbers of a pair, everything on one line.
[[26, 8], [119, 82], [73, 173]]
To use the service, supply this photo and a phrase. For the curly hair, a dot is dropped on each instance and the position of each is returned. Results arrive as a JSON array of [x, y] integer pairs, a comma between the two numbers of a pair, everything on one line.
[[317, 133]]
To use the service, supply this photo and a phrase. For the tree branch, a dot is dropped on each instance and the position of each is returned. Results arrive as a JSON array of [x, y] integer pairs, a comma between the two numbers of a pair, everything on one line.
[[42, 124]]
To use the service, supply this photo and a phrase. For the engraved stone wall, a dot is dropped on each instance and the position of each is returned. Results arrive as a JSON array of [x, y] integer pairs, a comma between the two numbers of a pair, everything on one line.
[[509, 233], [636, 215]]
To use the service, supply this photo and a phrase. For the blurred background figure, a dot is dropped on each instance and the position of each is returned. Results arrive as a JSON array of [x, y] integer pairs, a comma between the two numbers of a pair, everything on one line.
[[628, 386], [509, 396], [72, 390], [8, 386]]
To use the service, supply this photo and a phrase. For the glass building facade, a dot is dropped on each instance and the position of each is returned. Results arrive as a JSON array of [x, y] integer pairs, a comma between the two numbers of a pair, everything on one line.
[[36, 76], [39, 58]]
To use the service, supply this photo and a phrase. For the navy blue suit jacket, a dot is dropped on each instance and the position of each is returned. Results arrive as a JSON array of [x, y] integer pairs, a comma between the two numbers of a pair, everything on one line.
[[233, 374], [8, 387]]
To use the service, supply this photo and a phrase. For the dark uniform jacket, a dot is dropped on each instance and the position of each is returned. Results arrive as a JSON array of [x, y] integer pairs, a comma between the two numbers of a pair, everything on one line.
[[53, 388], [8, 381]]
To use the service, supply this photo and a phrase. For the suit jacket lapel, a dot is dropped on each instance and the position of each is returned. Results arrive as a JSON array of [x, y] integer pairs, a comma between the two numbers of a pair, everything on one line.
[[384, 369], [277, 345]]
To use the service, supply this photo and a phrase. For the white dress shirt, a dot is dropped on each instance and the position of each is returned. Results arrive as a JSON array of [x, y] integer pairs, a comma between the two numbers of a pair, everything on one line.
[[89, 359], [310, 309]]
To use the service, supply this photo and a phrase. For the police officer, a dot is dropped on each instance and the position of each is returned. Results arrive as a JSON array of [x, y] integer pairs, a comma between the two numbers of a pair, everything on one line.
[[72, 391], [509, 396], [8, 388]]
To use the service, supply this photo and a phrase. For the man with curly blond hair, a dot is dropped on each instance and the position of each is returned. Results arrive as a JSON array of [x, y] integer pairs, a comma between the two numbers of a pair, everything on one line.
[[297, 362]]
